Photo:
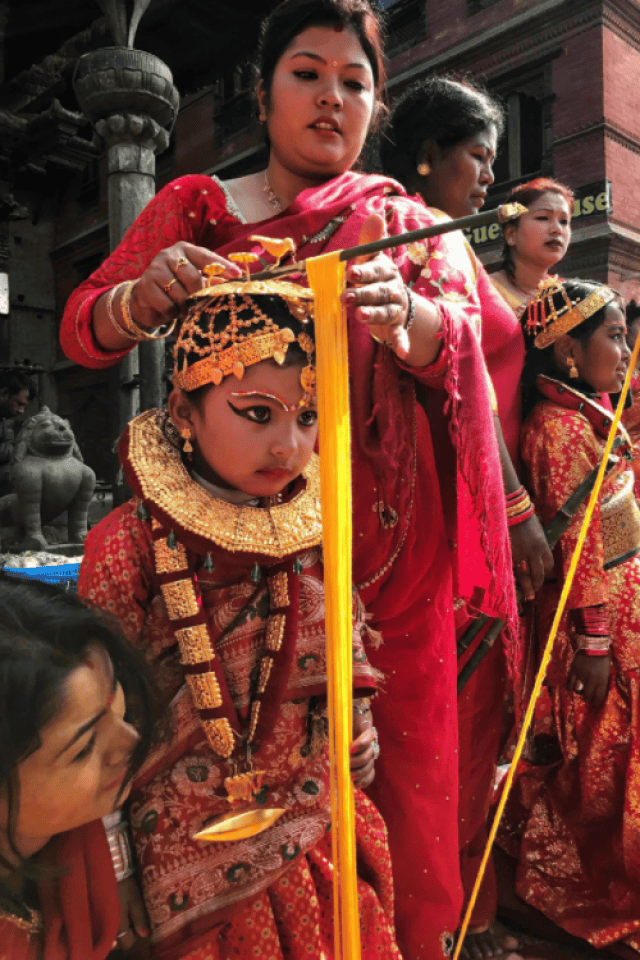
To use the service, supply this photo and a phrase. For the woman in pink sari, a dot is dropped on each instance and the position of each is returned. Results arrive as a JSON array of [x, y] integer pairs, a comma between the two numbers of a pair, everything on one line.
[[321, 73]]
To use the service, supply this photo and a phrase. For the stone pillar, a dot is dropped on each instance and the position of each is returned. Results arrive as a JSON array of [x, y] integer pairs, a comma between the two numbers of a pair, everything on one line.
[[129, 97]]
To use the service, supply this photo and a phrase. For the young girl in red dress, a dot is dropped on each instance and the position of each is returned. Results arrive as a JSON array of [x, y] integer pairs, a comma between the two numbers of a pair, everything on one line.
[[215, 569], [572, 823]]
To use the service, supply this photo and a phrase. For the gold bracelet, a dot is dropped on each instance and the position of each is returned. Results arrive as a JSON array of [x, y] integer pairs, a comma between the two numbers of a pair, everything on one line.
[[519, 508], [136, 331], [112, 317]]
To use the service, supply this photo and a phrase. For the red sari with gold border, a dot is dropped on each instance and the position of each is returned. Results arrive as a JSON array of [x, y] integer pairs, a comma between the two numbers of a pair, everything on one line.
[[425, 521]]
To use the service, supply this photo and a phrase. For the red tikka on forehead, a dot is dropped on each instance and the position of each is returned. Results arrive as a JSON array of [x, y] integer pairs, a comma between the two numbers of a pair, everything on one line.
[[338, 27]]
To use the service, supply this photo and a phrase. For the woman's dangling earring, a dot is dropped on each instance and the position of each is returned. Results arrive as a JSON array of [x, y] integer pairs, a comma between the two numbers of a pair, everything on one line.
[[187, 447], [424, 169], [573, 370]]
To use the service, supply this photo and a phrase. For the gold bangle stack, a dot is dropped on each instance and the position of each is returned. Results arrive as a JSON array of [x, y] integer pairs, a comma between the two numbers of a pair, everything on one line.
[[127, 326], [520, 507], [112, 317]]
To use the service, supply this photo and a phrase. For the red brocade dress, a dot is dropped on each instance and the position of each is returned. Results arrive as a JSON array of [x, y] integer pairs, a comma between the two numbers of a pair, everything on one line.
[[424, 499], [573, 824], [251, 580]]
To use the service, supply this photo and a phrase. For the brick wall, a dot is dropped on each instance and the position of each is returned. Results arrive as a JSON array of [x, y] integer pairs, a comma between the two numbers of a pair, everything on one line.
[[622, 152], [578, 111]]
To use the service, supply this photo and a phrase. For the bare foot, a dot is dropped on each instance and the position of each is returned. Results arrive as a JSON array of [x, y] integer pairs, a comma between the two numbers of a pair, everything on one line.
[[494, 942]]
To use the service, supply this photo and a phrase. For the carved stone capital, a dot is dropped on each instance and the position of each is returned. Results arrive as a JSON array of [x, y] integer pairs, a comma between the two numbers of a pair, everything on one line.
[[128, 95], [132, 128]]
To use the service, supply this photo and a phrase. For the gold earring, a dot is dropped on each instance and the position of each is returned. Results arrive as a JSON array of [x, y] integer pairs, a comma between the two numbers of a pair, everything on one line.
[[424, 169], [187, 448], [573, 370]]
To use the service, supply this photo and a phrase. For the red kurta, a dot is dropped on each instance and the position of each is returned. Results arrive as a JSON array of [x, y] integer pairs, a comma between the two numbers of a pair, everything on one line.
[[573, 824], [406, 556]]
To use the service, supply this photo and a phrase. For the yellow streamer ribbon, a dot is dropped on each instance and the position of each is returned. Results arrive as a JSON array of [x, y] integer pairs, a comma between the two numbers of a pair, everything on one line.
[[546, 656], [326, 276]]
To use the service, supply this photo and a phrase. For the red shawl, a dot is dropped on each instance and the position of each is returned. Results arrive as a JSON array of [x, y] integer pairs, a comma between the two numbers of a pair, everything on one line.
[[80, 909]]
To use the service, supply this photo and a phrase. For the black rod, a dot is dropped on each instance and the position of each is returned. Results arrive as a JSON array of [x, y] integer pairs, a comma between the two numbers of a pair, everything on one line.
[[502, 214], [435, 230]]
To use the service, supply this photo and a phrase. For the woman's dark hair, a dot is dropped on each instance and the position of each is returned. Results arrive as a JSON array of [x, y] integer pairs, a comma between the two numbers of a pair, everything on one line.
[[45, 634], [14, 382], [632, 312], [273, 307], [527, 193], [440, 108], [539, 362], [291, 17]]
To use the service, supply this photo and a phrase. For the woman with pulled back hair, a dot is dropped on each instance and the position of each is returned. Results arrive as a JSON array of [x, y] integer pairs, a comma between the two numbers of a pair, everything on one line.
[[441, 143], [319, 93], [534, 242]]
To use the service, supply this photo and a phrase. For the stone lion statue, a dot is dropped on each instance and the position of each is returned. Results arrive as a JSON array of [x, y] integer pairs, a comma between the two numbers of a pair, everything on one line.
[[49, 478]]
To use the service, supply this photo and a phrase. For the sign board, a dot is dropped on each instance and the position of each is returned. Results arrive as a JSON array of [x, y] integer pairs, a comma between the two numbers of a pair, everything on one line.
[[592, 199]]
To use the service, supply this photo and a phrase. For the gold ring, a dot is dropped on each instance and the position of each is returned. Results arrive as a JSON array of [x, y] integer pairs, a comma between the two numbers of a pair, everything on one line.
[[181, 262], [168, 286], [377, 339]]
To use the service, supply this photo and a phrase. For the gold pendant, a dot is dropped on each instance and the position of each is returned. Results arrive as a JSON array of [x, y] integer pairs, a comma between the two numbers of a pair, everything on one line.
[[246, 820]]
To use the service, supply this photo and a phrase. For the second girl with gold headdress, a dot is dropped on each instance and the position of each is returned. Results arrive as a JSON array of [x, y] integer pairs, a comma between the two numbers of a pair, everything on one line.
[[572, 821]]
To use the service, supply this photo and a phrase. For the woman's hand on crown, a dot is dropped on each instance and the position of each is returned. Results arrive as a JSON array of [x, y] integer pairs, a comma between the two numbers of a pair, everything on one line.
[[173, 276], [378, 293]]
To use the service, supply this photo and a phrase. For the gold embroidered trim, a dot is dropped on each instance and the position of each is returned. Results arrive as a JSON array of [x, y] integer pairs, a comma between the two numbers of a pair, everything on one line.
[[620, 522], [34, 925], [205, 691], [265, 671], [255, 713], [180, 598], [275, 631], [279, 589], [195, 644], [163, 480], [220, 736], [168, 560]]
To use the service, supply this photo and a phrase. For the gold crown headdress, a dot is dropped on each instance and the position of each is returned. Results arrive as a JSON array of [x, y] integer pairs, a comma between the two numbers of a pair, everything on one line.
[[551, 321], [250, 335]]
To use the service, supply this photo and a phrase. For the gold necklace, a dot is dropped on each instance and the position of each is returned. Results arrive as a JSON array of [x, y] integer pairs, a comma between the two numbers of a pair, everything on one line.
[[270, 195]]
